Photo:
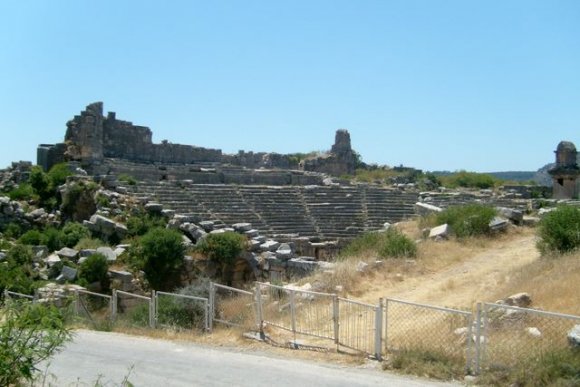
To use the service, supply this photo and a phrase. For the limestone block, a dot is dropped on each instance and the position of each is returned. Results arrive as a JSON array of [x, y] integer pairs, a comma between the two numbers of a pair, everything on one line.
[[270, 245], [242, 227], [52, 260], [574, 336], [68, 253], [87, 252], [530, 221], [108, 253], [284, 251], [252, 233], [498, 224], [154, 207], [68, 273], [441, 231], [254, 245], [522, 300], [426, 209], [207, 225], [516, 216], [260, 238]]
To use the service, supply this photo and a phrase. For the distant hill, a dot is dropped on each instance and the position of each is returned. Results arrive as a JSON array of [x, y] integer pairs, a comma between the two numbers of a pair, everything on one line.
[[540, 176], [514, 175]]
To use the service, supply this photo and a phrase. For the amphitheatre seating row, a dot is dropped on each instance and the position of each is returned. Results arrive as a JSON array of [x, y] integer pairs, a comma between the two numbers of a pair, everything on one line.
[[312, 211], [445, 200], [205, 173]]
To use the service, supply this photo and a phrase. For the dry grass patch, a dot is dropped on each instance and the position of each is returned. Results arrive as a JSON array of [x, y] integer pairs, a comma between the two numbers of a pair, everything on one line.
[[553, 282]]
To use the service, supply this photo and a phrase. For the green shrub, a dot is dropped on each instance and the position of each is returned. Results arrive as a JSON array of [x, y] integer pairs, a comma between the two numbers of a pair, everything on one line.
[[72, 233], [139, 314], [396, 245], [140, 223], [24, 191], [467, 220], [29, 334], [130, 180], [469, 180], [16, 271], [52, 238], [554, 368], [159, 253], [40, 182], [57, 175], [428, 363], [12, 230], [95, 269], [31, 237], [559, 230], [223, 248], [389, 244]]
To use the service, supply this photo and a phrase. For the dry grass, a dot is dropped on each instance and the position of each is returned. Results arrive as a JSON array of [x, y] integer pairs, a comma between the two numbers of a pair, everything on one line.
[[553, 282]]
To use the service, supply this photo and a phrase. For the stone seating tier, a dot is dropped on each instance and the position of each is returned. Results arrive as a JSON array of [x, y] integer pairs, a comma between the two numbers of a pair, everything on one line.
[[311, 211]]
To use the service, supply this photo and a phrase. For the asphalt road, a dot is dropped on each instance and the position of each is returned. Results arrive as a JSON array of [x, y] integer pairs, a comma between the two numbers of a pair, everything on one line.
[[110, 357]]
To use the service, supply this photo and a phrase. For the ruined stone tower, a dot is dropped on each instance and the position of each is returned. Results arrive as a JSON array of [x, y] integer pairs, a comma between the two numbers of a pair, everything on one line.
[[565, 173]]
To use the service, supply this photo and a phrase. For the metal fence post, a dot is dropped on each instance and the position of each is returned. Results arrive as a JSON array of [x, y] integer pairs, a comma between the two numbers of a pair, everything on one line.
[[379, 330], [114, 305], [153, 310], [259, 315], [336, 319], [386, 300], [211, 305], [478, 322], [293, 314]]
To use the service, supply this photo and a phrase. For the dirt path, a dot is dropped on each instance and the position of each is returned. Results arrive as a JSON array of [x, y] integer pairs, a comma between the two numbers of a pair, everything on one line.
[[474, 278]]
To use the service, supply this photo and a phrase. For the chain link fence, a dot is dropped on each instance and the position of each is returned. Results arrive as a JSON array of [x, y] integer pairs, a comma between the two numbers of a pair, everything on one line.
[[94, 308], [429, 329], [232, 307], [496, 337], [509, 336], [297, 311], [133, 309], [181, 312], [357, 326]]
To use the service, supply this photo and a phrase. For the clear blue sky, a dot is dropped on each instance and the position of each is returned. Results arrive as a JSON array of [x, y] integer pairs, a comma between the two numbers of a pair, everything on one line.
[[485, 85]]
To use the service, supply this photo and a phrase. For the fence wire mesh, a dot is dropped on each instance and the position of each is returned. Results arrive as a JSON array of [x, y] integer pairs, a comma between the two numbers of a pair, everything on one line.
[[512, 336], [132, 309], [94, 308], [314, 313], [418, 327], [181, 312], [232, 307], [275, 306], [297, 311], [357, 325]]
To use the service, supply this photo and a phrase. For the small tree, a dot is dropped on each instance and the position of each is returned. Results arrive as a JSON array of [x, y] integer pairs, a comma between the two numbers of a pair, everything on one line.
[[559, 230], [159, 253], [95, 269], [223, 249], [467, 220], [29, 334]]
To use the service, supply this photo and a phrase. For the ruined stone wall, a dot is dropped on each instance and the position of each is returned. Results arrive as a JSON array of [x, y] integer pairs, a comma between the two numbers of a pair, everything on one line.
[[84, 135], [340, 161], [91, 137]]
